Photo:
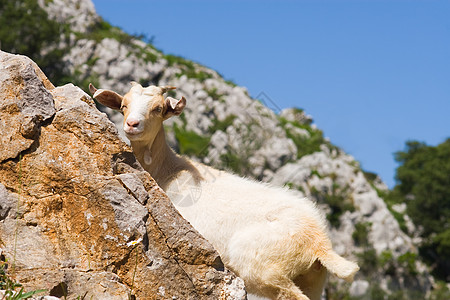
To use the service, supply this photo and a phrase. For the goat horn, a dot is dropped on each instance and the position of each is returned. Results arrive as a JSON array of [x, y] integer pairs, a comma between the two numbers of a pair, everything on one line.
[[92, 88], [166, 88]]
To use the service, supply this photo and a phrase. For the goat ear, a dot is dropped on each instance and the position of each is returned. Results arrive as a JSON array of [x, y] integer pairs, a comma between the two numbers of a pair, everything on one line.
[[174, 107], [106, 97]]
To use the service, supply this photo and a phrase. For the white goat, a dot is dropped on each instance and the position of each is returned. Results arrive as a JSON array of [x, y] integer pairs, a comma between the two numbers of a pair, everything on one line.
[[276, 242]]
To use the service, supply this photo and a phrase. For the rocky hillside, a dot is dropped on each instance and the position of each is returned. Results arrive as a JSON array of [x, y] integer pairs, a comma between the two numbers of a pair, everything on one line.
[[224, 127]]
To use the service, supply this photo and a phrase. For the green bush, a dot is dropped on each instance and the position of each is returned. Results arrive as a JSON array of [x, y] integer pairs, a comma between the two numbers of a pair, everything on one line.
[[423, 183], [189, 68], [190, 143], [361, 234], [305, 145], [25, 29], [12, 289], [370, 176], [222, 125], [408, 261], [368, 261], [338, 201], [213, 94], [440, 292], [236, 163], [102, 29]]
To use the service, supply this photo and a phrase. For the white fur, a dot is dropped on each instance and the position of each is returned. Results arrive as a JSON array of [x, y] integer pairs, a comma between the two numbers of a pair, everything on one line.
[[276, 242], [258, 229]]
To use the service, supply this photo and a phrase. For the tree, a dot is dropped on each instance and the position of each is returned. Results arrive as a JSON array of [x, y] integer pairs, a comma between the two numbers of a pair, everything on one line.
[[26, 29], [423, 183]]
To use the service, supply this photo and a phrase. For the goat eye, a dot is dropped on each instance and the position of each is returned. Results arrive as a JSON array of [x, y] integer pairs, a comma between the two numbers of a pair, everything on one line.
[[157, 109]]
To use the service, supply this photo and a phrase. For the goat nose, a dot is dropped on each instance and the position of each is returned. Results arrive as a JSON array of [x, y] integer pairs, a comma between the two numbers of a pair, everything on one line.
[[133, 123]]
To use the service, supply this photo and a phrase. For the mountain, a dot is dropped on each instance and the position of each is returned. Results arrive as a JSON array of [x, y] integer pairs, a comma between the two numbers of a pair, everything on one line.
[[224, 127]]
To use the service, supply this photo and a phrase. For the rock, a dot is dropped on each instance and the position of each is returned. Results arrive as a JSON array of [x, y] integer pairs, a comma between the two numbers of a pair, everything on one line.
[[80, 14], [359, 288], [325, 174], [21, 106], [8, 204], [296, 115], [78, 215], [2, 295]]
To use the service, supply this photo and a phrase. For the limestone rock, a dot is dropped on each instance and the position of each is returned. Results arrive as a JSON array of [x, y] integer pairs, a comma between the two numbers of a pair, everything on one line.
[[359, 288], [78, 215], [80, 14], [296, 115], [27, 104]]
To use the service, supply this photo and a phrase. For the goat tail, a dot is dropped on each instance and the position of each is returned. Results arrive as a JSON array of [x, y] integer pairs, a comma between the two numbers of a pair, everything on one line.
[[338, 265]]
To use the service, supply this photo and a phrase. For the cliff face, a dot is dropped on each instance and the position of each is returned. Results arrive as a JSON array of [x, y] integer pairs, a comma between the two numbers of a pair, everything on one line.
[[224, 127], [78, 215]]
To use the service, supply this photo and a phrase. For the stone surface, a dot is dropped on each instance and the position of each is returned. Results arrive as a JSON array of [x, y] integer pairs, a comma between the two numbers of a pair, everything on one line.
[[359, 288], [20, 107], [80, 14], [78, 215]]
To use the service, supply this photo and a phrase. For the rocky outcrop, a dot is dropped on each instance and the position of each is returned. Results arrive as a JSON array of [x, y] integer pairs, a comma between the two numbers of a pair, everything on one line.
[[78, 215], [79, 14]]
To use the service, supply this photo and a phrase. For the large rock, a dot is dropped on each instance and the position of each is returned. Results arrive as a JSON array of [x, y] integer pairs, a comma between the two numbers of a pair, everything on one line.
[[78, 215]]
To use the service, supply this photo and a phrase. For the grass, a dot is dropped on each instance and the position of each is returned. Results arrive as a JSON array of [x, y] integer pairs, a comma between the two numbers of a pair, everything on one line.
[[102, 29], [214, 95], [190, 143], [391, 198], [235, 163], [337, 201], [20, 187], [130, 295], [305, 145], [222, 125], [361, 234], [9, 286], [189, 68], [12, 289]]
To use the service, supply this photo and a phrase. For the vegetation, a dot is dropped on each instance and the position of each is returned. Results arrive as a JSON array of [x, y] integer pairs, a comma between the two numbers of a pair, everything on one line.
[[189, 68], [12, 290], [338, 201], [102, 29], [25, 29], [190, 143], [385, 264], [236, 163], [423, 183], [305, 144], [440, 292], [370, 176], [213, 94], [361, 233], [222, 125]]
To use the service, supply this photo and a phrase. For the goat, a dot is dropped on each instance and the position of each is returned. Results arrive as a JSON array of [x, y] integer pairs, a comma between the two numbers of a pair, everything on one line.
[[276, 242]]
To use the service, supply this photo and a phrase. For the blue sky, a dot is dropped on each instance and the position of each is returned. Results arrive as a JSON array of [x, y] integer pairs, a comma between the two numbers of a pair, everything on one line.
[[372, 73]]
